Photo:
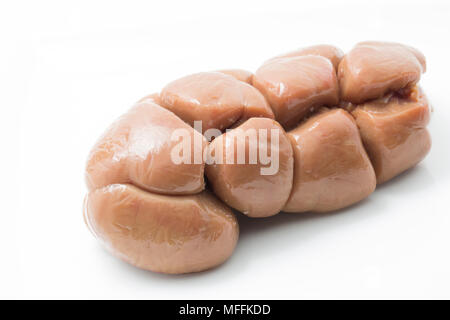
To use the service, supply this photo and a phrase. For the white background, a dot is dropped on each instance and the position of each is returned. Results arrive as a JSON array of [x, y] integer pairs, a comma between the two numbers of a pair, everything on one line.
[[67, 69]]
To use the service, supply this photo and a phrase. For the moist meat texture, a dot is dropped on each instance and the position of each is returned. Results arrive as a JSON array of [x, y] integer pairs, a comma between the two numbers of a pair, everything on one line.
[[332, 53], [245, 187], [311, 130], [394, 132], [162, 233], [137, 149], [372, 69], [239, 74], [217, 99], [332, 169], [296, 86]]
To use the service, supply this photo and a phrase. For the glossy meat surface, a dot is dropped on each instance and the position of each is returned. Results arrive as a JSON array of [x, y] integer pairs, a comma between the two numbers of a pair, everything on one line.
[[217, 99], [162, 233], [330, 52], [295, 86], [243, 186], [394, 132], [239, 74], [372, 69], [354, 121], [331, 167], [137, 149], [256, 106]]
